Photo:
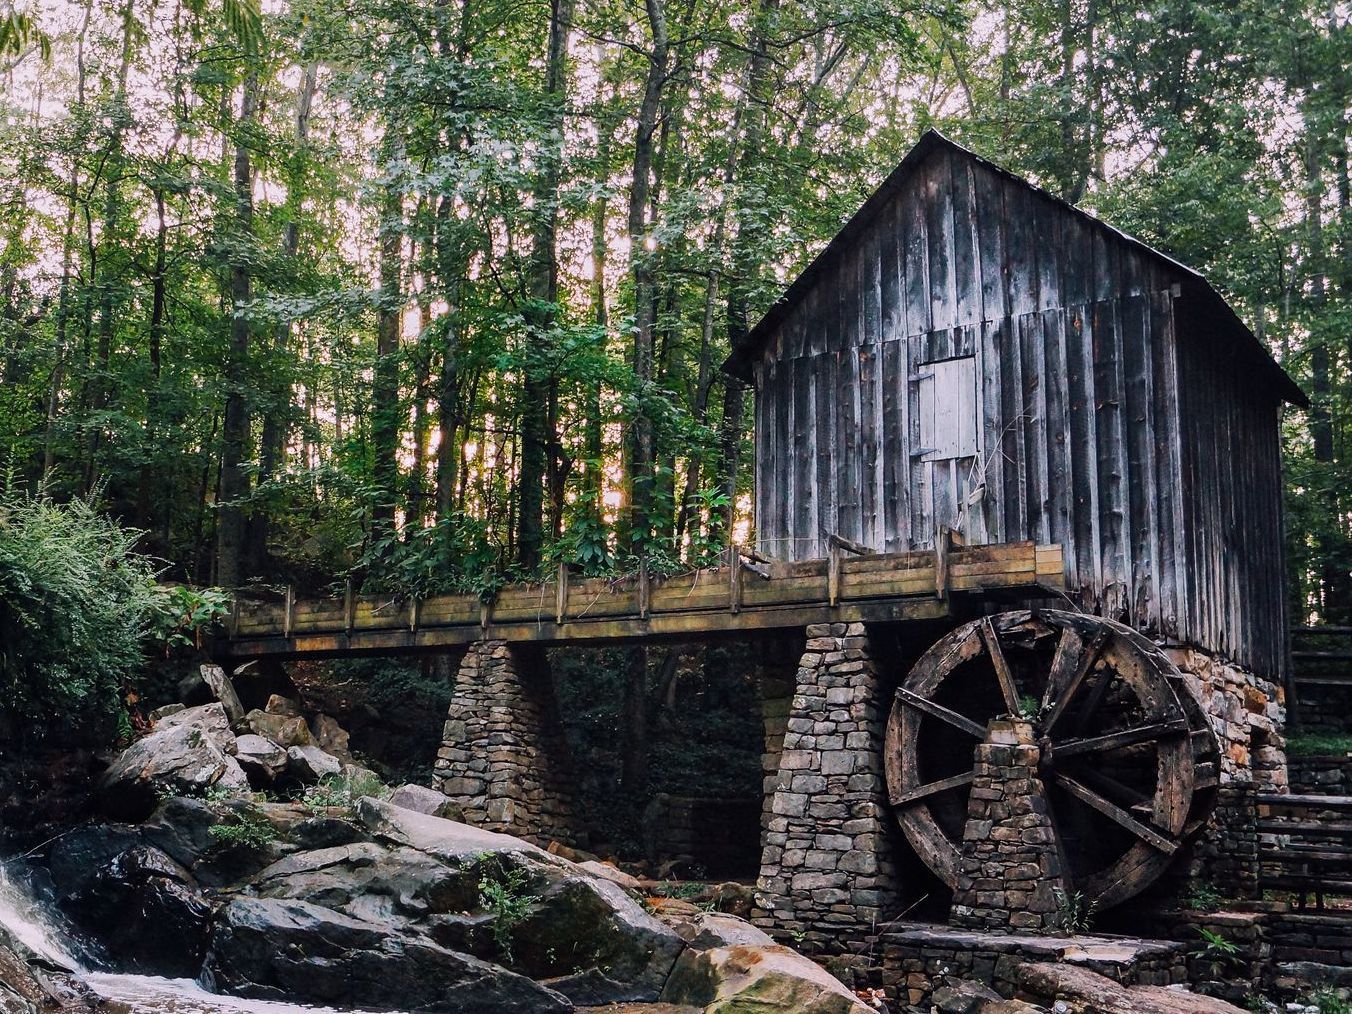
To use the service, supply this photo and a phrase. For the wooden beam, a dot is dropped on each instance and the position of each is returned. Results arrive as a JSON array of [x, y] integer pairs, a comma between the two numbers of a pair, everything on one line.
[[940, 712], [1115, 813], [1121, 738], [931, 788], [1003, 676]]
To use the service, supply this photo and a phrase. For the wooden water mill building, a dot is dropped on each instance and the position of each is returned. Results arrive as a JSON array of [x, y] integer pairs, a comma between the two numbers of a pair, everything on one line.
[[1018, 492]]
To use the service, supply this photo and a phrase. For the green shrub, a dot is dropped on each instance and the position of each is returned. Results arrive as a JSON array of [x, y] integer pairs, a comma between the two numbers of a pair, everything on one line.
[[504, 893], [76, 604], [246, 832], [1319, 744]]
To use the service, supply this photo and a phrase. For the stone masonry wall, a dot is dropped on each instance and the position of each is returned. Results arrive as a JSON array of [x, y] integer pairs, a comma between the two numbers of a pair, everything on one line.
[[1327, 774], [1247, 714], [503, 759], [826, 863], [1010, 870]]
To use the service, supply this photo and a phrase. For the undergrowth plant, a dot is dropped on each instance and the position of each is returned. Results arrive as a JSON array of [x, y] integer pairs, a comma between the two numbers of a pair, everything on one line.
[[1074, 913], [504, 893], [246, 830]]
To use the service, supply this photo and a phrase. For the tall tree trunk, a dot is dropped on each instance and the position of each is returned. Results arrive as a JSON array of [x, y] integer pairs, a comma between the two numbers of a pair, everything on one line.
[[744, 268], [539, 440], [639, 480], [277, 414], [101, 388], [233, 482], [386, 414]]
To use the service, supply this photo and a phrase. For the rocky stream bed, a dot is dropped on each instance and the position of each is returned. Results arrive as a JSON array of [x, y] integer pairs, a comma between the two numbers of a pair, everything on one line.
[[196, 888]]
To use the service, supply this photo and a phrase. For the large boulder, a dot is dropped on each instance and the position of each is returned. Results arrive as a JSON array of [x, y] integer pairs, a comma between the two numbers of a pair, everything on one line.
[[332, 738], [1082, 991], [593, 943], [149, 912], [210, 718], [309, 764], [263, 760], [757, 978], [582, 934], [284, 730], [184, 758], [276, 949], [223, 690], [421, 799]]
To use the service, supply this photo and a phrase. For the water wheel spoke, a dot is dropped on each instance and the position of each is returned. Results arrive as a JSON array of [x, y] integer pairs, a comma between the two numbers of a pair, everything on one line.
[[940, 712], [1069, 668], [915, 795], [1123, 795], [1008, 689], [1165, 843], [1122, 737]]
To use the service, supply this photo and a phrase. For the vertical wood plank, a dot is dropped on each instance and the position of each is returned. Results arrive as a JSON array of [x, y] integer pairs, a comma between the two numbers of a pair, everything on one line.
[[1111, 456], [1085, 568], [938, 189]]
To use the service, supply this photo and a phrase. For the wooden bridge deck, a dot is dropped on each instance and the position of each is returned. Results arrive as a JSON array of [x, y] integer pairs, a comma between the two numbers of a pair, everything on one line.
[[881, 587]]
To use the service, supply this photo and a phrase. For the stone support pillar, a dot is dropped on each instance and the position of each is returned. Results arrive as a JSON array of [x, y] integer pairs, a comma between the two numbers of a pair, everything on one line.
[[1248, 714], [503, 760], [827, 872], [1011, 868]]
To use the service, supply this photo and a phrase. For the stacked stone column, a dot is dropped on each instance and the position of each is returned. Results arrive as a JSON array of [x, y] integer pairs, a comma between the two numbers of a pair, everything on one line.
[[1010, 869], [503, 760], [826, 872]]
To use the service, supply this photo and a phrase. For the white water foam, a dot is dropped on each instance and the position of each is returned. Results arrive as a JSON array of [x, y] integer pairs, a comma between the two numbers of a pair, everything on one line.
[[24, 920], [22, 916]]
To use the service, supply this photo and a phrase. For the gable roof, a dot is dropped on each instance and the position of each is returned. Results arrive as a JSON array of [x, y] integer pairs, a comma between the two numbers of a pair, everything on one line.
[[1194, 284]]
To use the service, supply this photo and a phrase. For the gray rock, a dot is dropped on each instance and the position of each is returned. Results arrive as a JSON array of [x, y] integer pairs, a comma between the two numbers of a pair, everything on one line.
[[182, 759], [166, 710], [284, 730], [332, 738], [309, 764], [262, 759], [607, 872], [210, 718], [286, 707], [295, 950], [706, 930], [590, 941], [223, 690], [758, 978], [149, 912], [963, 996], [421, 799], [446, 840]]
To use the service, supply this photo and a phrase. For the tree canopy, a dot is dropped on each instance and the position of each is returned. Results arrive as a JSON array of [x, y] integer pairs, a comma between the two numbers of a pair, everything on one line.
[[433, 293]]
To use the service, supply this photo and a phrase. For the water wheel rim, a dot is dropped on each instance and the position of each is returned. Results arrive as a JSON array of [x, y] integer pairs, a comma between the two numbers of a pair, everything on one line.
[[1134, 659]]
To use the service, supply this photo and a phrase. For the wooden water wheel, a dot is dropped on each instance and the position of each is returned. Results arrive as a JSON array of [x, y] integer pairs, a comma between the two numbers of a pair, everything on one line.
[[1128, 759]]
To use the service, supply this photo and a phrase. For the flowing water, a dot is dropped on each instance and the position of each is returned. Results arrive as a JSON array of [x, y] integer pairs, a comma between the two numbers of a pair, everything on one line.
[[32, 925]]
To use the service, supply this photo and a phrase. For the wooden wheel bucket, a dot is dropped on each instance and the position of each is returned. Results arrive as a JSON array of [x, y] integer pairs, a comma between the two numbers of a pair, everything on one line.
[[1128, 758]]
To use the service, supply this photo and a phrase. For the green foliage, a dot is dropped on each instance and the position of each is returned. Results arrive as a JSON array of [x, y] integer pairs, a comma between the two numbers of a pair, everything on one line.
[[505, 894], [1203, 896], [342, 791], [1331, 1001], [244, 831], [1074, 913], [1314, 744], [76, 605], [1217, 948], [181, 614]]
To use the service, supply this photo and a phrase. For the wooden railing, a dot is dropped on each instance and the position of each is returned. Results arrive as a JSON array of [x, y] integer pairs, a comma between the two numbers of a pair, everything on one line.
[[753, 594], [1305, 845]]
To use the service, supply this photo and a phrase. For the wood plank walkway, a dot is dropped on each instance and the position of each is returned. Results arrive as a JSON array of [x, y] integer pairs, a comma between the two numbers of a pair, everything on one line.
[[876, 588]]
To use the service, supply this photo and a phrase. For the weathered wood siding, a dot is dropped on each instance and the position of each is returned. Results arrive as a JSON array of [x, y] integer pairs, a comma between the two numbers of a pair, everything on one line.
[[1164, 499]]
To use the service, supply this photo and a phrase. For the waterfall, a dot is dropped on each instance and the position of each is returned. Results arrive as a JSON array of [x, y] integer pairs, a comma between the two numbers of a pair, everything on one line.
[[30, 928], [25, 921]]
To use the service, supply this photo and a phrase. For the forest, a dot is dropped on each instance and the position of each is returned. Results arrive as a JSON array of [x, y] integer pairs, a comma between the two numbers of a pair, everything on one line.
[[432, 294]]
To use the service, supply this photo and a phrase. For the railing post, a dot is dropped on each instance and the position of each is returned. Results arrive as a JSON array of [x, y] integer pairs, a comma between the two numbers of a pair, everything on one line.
[[286, 616], [561, 593]]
